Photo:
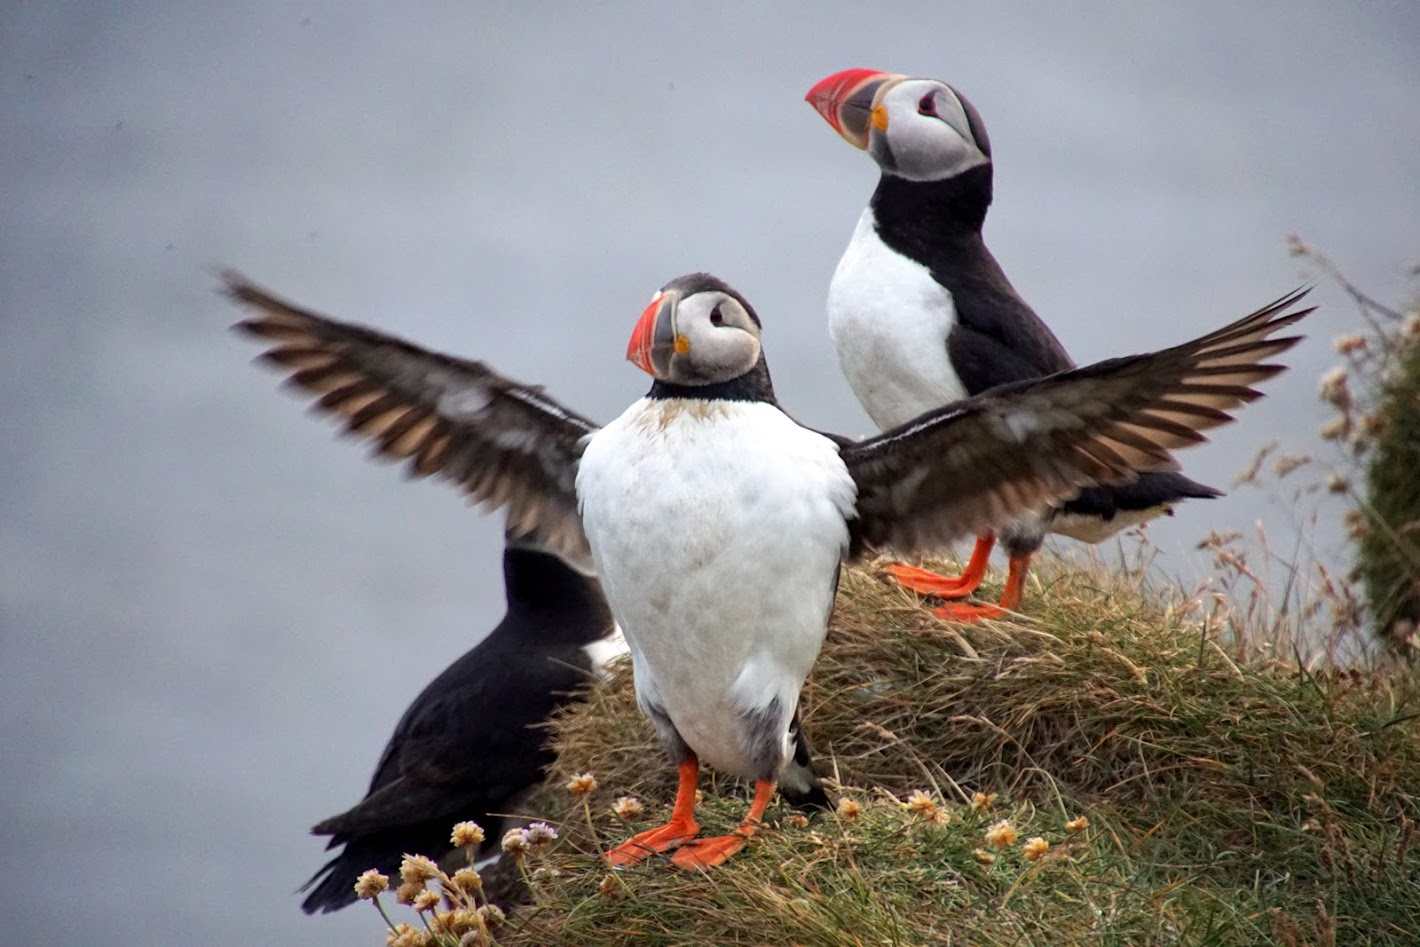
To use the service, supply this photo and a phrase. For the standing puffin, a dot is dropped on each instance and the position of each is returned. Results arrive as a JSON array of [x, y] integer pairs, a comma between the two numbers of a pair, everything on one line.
[[717, 524], [921, 314], [471, 744]]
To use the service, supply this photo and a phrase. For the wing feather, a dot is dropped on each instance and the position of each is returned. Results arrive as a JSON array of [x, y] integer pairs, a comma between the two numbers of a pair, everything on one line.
[[972, 466], [501, 442]]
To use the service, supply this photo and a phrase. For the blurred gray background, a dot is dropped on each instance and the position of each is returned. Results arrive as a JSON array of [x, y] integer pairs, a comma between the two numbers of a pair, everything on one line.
[[213, 611]]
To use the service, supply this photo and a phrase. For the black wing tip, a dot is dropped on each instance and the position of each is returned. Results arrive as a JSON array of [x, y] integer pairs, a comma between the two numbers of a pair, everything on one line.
[[327, 898], [237, 287]]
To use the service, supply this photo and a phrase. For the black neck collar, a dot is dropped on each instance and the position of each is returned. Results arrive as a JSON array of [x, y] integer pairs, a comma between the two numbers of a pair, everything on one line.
[[753, 385], [926, 219]]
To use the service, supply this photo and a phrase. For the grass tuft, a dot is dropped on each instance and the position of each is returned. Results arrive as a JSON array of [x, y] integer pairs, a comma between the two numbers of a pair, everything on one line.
[[1156, 787]]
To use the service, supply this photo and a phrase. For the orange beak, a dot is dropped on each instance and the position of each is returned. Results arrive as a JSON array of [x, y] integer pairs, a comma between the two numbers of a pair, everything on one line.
[[653, 340], [845, 100]]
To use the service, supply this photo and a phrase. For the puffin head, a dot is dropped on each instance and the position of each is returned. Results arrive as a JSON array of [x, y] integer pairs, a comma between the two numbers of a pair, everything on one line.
[[918, 129], [696, 331]]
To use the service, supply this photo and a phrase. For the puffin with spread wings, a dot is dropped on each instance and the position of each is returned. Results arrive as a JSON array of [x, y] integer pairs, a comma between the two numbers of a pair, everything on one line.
[[717, 523]]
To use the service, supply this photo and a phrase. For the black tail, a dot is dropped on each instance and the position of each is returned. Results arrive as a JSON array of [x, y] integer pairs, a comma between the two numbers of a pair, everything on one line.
[[799, 784], [1149, 491]]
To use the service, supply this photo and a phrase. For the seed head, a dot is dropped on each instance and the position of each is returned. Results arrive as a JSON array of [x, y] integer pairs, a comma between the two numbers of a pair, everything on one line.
[[369, 884], [582, 785], [467, 880], [515, 842], [425, 900], [1334, 388], [405, 936], [466, 834], [627, 807], [1035, 847], [408, 891], [1077, 824], [492, 915], [1410, 328], [417, 868], [455, 922], [920, 803], [1335, 429], [983, 856], [1346, 344], [610, 887], [981, 801], [848, 809], [798, 820], [1001, 834]]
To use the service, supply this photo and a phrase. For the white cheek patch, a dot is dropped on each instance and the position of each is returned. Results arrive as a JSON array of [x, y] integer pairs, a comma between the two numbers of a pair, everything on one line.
[[929, 147]]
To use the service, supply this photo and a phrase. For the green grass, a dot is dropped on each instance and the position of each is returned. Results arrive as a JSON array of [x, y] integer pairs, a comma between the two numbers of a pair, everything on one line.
[[1388, 554], [1230, 799]]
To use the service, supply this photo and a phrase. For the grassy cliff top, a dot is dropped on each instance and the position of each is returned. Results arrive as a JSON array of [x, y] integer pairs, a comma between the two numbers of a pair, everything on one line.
[[1151, 786]]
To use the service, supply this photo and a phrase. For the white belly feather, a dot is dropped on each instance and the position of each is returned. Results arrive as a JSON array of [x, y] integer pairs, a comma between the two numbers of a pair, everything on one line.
[[717, 530], [889, 322]]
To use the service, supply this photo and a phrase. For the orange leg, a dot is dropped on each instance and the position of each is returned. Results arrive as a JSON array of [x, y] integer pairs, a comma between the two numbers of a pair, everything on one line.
[[924, 582], [1010, 597], [709, 852], [680, 829]]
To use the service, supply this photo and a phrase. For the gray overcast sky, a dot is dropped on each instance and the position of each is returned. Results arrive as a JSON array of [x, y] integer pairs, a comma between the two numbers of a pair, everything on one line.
[[213, 610]]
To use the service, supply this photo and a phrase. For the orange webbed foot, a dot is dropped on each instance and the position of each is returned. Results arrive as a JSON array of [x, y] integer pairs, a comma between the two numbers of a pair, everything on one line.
[[1010, 598], [709, 852], [966, 613], [651, 842], [926, 582]]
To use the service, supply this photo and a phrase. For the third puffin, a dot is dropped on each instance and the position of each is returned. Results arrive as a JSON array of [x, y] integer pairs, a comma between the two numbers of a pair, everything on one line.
[[921, 313]]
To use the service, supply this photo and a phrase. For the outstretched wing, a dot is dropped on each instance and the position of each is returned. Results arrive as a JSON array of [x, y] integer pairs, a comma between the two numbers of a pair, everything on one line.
[[974, 465], [503, 443]]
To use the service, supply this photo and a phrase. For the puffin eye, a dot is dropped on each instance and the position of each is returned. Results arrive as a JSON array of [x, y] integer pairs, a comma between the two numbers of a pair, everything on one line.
[[928, 104], [717, 318]]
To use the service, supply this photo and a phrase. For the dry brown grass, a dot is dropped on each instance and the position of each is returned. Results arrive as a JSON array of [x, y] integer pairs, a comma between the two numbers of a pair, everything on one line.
[[1230, 799]]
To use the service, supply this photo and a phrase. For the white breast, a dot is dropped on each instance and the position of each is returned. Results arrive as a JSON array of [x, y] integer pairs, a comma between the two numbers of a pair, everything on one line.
[[717, 530], [889, 322]]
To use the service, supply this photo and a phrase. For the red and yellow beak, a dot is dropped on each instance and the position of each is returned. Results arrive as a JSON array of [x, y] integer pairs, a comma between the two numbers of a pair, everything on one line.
[[654, 340], [848, 100]]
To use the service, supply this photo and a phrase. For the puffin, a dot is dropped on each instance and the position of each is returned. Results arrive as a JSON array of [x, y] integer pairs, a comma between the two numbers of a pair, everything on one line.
[[921, 314], [473, 742], [718, 524]]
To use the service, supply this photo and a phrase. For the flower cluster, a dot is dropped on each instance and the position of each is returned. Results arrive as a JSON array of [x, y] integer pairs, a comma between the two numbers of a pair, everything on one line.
[[447, 905], [582, 785], [924, 806]]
